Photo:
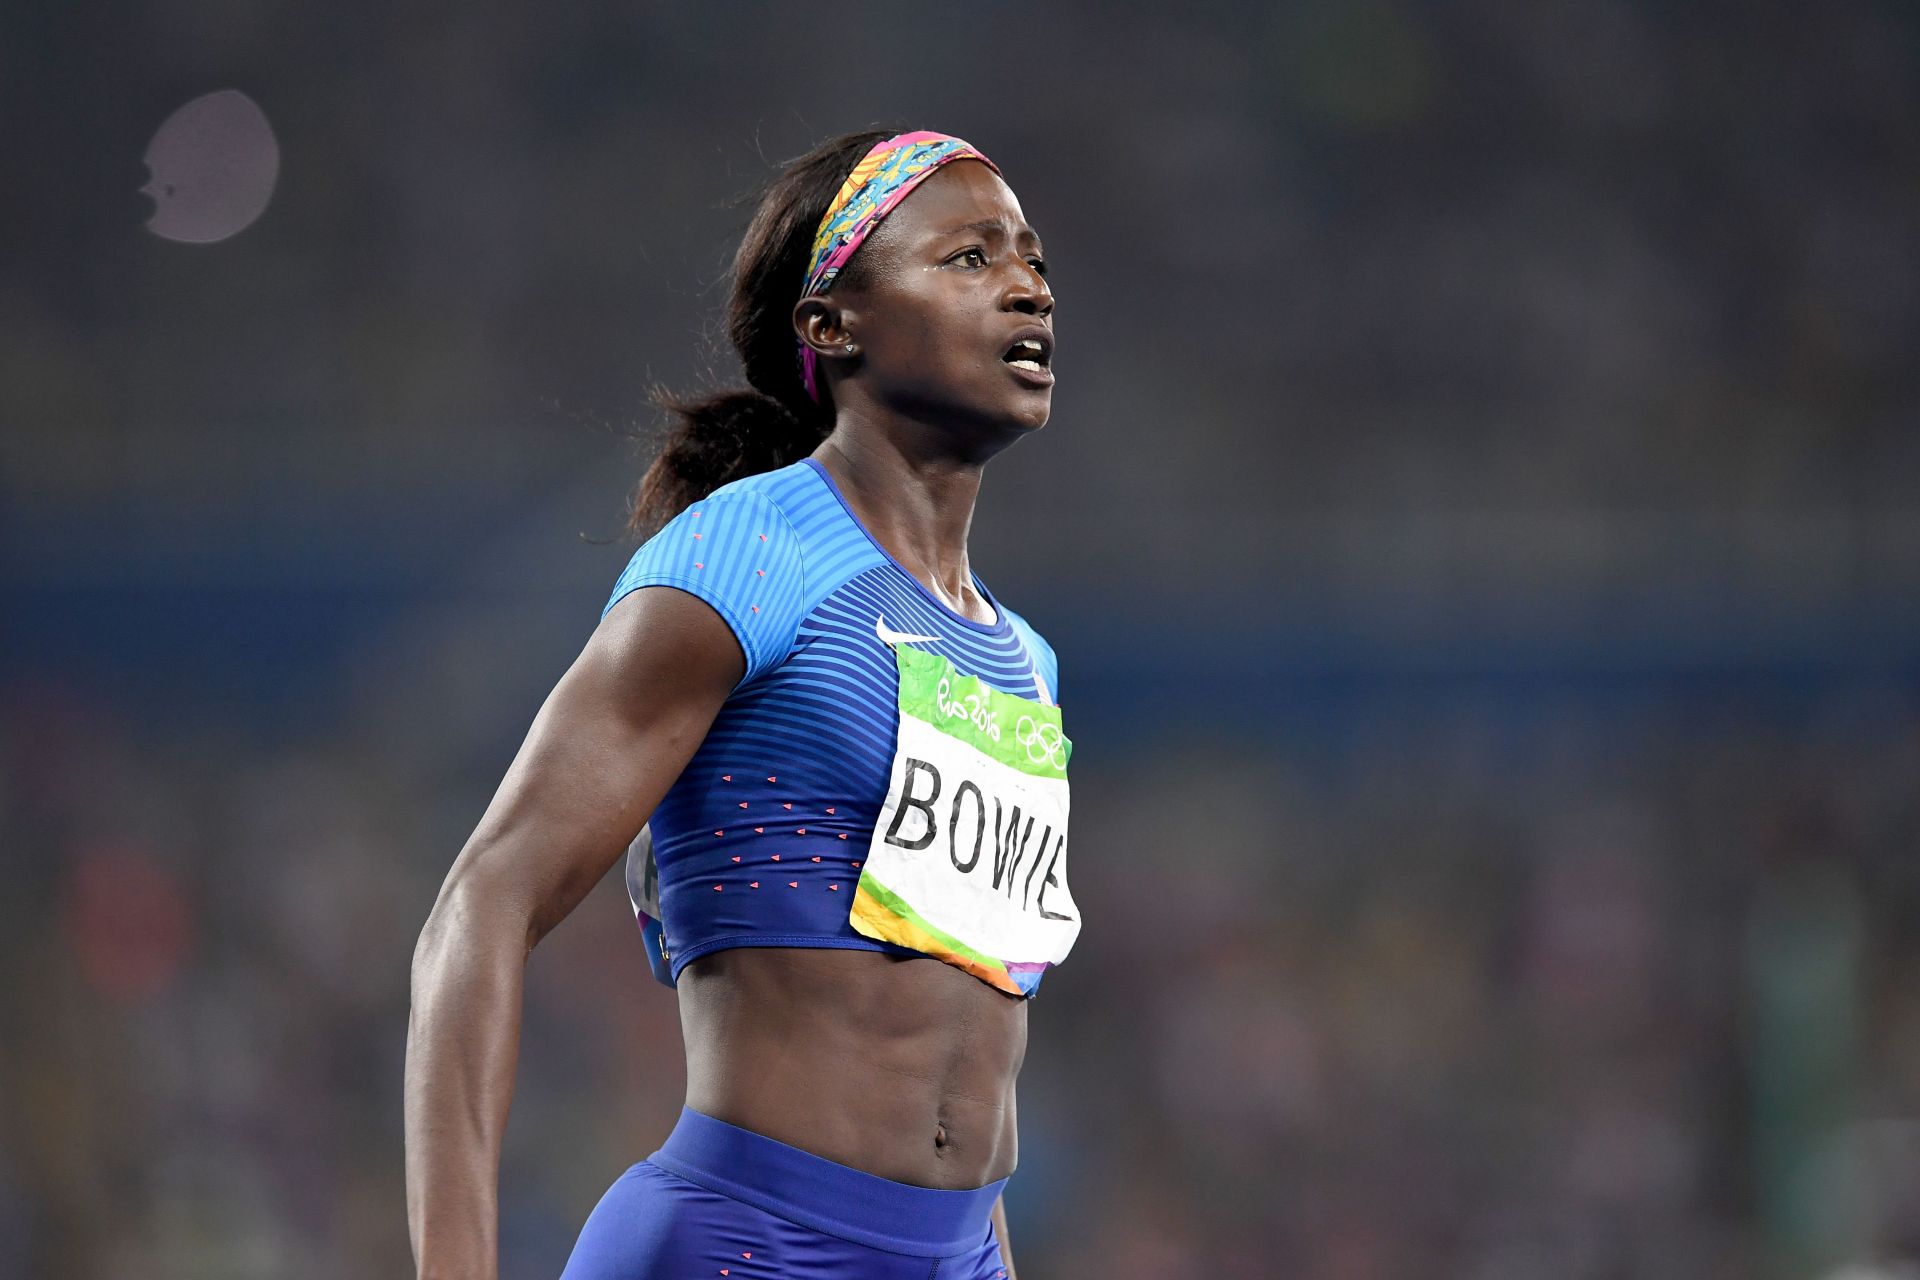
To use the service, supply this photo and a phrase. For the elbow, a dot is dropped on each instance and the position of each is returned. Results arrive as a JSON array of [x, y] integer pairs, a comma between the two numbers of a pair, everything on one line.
[[468, 922], [432, 950], [429, 947]]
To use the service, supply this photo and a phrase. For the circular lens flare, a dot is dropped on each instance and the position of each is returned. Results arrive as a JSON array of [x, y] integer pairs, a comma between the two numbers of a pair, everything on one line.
[[214, 163]]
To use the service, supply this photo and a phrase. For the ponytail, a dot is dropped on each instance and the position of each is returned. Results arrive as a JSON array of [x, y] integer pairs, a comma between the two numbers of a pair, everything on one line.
[[720, 437], [717, 439]]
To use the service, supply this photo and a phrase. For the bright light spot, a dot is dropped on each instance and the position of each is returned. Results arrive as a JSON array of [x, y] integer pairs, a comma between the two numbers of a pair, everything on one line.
[[214, 163]]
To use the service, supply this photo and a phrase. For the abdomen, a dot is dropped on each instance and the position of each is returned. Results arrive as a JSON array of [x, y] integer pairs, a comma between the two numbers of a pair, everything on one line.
[[900, 1067]]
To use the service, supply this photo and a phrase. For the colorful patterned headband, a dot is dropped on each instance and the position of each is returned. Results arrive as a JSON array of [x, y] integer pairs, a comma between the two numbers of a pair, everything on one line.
[[877, 184]]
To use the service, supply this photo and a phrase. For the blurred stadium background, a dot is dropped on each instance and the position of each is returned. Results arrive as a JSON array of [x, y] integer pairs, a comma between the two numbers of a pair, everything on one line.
[[1478, 524]]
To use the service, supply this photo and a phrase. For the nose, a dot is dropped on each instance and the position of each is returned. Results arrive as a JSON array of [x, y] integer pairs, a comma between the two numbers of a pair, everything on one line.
[[1028, 293]]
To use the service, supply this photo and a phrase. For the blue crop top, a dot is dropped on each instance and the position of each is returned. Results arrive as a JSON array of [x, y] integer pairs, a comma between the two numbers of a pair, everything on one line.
[[761, 840]]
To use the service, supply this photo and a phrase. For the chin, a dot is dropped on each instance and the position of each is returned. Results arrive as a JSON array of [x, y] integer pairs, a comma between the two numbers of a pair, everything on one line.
[[1027, 409], [993, 421], [1023, 417], [1033, 420]]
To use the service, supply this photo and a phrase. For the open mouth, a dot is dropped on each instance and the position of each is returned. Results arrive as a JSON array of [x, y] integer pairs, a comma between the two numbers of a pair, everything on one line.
[[1033, 353]]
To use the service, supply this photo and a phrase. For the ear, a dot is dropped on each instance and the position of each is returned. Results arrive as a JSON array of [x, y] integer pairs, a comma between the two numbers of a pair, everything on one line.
[[827, 325]]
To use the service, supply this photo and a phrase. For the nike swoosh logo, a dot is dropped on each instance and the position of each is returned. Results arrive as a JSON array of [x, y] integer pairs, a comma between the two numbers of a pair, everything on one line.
[[889, 636]]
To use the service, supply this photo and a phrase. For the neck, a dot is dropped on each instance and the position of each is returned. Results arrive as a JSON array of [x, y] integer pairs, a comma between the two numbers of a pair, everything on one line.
[[916, 501]]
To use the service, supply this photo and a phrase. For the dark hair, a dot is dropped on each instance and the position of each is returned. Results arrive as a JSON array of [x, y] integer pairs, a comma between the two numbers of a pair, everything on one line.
[[719, 437]]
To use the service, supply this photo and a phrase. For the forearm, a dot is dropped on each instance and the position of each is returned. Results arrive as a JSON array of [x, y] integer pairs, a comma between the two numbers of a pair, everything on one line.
[[463, 1033], [1000, 1233]]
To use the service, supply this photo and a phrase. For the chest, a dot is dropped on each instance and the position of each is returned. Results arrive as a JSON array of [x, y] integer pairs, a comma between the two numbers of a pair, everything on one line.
[[829, 714]]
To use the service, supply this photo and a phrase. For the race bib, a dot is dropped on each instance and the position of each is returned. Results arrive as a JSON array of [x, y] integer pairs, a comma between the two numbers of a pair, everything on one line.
[[643, 891], [968, 861]]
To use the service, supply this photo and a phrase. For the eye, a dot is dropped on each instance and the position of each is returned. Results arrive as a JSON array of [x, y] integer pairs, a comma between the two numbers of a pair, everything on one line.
[[1039, 266], [973, 252]]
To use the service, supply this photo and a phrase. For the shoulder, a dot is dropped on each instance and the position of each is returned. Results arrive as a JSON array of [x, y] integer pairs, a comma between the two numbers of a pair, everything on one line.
[[741, 552], [1044, 658], [794, 494], [762, 551], [827, 537], [723, 544]]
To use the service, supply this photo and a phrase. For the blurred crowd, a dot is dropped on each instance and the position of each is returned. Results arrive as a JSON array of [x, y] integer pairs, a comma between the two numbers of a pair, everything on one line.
[[1500, 990], [1478, 527]]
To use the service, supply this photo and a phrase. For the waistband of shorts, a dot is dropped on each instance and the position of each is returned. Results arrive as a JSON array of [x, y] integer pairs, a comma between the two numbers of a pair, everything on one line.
[[815, 1192]]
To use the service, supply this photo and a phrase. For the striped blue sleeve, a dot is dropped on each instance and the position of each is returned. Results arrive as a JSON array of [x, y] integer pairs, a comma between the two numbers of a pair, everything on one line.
[[737, 552]]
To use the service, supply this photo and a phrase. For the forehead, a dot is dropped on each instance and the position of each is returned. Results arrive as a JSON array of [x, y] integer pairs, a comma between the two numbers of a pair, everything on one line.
[[958, 193]]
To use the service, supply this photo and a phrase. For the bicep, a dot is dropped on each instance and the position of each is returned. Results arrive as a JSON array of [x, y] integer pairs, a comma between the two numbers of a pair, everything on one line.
[[609, 741]]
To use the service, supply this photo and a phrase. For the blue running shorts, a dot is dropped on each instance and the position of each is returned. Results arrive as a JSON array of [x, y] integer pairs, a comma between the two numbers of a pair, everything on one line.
[[718, 1200]]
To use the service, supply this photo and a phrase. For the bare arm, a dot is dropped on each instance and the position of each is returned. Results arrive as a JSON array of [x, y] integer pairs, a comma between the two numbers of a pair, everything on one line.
[[1000, 1234], [612, 737]]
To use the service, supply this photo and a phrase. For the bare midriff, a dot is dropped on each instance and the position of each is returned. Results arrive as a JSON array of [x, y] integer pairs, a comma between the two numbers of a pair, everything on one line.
[[899, 1067]]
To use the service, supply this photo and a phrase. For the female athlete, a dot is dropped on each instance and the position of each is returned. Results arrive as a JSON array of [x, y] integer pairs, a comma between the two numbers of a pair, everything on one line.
[[846, 755]]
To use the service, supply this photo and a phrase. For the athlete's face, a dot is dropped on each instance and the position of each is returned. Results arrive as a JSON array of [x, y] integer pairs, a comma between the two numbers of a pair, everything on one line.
[[953, 282]]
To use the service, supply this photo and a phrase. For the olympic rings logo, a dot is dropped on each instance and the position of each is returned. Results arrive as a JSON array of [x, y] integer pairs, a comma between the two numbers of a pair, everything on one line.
[[1045, 743]]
